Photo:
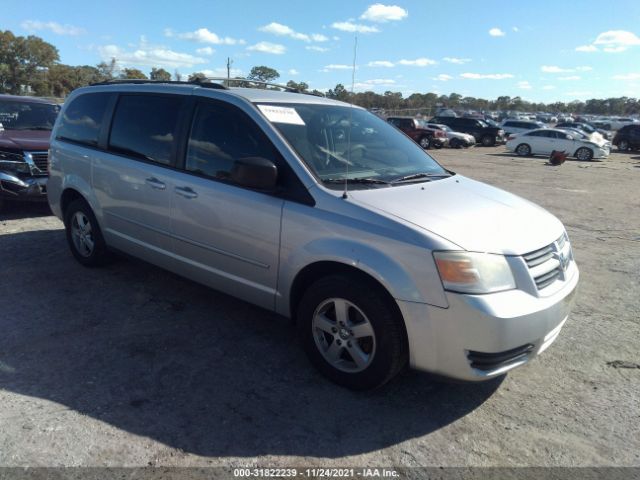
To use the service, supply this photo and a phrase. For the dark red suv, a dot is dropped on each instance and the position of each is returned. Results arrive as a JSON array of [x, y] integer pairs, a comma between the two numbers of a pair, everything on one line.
[[25, 128], [419, 131]]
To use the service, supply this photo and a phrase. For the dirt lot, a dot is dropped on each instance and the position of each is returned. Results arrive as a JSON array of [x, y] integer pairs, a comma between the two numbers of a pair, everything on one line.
[[131, 365]]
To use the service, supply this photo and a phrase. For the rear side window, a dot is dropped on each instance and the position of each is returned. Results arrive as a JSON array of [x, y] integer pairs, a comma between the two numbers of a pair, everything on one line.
[[221, 134], [82, 119], [145, 127]]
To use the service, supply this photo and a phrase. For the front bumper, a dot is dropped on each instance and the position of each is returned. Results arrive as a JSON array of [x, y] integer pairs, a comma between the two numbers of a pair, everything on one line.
[[23, 188], [440, 142], [482, 336]]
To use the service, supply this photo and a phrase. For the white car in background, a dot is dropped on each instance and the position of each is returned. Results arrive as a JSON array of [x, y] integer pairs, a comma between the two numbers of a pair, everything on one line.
[[545, 140], [580, 134], [511, 126], [618, 122], [456, 139]]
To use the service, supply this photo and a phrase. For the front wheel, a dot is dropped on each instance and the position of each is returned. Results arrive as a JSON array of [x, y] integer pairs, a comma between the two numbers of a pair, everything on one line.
[[351, 333], [488, 141], [623, 145], [584, 154], [455, 143], [424, 142], [83, 234], [523, 150]]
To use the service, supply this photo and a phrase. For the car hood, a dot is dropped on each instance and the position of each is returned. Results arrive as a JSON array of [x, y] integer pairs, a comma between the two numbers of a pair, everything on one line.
[[25, 139], [475, 216]]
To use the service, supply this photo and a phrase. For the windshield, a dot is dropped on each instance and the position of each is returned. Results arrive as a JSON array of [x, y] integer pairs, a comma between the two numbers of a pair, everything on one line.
[[16, 115], [339, 143]]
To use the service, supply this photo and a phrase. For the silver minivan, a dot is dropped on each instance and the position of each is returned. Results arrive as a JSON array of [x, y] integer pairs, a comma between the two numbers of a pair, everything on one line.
[[319, 211]]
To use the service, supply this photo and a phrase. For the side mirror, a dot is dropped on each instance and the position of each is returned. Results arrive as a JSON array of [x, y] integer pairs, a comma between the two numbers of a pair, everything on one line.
[[255, 172]]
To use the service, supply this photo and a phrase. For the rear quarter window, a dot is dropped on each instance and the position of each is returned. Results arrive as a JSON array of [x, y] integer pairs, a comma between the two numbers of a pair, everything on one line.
[[82, 120]]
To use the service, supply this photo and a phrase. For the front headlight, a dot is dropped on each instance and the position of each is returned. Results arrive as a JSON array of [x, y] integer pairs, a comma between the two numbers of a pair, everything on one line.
[[469, 272]]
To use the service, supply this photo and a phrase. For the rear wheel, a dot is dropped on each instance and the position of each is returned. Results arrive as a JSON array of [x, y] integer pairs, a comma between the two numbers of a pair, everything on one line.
[[623, 145], [488, 141], [424, 142], [584, 154], [523, 150], [83, 234], [351, 333]]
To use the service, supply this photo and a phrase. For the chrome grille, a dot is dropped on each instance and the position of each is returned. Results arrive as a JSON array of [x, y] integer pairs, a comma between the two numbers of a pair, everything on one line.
[[546, 264], [41, 160]]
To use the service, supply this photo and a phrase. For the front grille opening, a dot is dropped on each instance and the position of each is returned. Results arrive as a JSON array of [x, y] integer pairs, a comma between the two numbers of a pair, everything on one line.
[[492, 361], [538, 257], [547, 279], [41, 161]]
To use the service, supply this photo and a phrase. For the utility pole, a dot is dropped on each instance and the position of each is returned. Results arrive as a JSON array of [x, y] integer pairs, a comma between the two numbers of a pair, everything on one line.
[[229, 63]]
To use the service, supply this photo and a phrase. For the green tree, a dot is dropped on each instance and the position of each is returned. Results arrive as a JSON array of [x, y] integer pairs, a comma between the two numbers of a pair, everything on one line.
[[23, 61], [339, 93], [263, 74], [133, 74], [160, 74], [108, 71], [301, 87], [197, 77]]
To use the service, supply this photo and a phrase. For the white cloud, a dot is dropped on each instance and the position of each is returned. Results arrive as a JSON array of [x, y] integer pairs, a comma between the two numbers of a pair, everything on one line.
[[54, 27], [205, 51], [353, 27], [316, 48], [418, 62], [293, 71], [220, 72], [443, 77], [456, 60], [203, 35], [554, 69], [496, 32], [334, 66], [384, 13], [549, 87], [149, 56], [268, 47], [515, 29], [584, 69], [587, 48], [612, 41], [570, 78], [380, 63], [281, 30], [627, 76], [524, 85], [488, 76]]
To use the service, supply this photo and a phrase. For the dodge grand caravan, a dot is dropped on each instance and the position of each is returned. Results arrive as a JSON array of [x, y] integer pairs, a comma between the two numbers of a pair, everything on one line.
[[320, 211]]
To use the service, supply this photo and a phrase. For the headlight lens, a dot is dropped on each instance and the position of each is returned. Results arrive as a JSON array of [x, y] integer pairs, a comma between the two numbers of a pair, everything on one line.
[[469, 272], [13, 162]]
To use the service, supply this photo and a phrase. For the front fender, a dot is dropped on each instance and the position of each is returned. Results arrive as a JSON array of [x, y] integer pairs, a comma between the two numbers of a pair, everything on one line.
[[419, 284]]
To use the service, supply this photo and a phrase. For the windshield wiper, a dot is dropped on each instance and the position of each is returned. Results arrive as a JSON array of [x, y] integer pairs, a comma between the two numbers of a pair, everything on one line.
[[419, 176], [356, 180]]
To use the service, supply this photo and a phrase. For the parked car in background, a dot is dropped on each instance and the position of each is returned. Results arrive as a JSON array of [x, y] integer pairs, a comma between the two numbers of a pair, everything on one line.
[[618, 122], [545, 140], [419, 132], [481, 130], [587, 137], [25, 127], [587, 128], [602, 125], [244, 190], [519, 126], [456, 139], [628, 138]]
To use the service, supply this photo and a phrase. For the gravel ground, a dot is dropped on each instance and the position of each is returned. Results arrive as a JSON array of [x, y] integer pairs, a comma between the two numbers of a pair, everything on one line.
[[130, 365]]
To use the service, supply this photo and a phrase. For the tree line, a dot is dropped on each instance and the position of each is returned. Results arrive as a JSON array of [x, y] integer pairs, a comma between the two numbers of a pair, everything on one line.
[[29, 65]]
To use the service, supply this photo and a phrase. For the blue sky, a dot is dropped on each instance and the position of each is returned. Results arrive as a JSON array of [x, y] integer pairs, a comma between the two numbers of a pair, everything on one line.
[[541, 51]]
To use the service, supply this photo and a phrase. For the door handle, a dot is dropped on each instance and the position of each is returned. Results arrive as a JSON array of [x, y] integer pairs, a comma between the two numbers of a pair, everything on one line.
[[155, 183], [186, 192]]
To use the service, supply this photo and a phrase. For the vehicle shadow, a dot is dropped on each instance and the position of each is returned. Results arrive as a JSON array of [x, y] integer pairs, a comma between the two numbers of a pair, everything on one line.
[[10, 210], [162, 357]]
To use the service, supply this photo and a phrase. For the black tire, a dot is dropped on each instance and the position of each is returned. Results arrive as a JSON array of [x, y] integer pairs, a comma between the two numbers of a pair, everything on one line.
[[523, 150], [424, 142], [584, 154], [388, 345], [455, 143], [623, 145], [488, 141], [89, 257]]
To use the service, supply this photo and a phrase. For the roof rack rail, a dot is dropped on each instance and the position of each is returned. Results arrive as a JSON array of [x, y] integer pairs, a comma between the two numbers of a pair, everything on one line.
[[226, 81], [197, 82]]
